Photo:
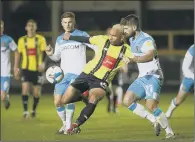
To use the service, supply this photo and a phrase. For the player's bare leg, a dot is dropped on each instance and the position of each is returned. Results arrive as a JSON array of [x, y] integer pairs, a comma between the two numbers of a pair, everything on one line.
[[130, 101], [176, 102], [25, 93], [95, 95], [69, 94], [36, 94], [161, 118], [5, 99], [60, 109]]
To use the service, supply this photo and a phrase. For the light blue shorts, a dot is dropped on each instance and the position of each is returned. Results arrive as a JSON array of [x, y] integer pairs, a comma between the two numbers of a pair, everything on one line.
[[187, 85], [5, 84], [147, 87], [61, 87]]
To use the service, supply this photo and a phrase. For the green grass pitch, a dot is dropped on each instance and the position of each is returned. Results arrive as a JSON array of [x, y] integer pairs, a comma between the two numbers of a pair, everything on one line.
[[101, 126]]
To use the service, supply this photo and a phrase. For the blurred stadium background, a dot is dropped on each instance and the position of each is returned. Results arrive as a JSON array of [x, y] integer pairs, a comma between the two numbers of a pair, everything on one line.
[[171, 23]]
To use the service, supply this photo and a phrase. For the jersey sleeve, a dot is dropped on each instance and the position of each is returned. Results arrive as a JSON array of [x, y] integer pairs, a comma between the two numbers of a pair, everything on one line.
[[20, 45], [92, 46], [85, 34], [129, 53], [191, 50], [43, 43], [147, 46], [12, 44], [186, 65], [97, 40]]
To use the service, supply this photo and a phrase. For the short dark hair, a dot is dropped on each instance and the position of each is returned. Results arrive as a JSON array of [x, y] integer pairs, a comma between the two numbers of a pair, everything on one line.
[[131, 20], [68, 15], [31, 21]]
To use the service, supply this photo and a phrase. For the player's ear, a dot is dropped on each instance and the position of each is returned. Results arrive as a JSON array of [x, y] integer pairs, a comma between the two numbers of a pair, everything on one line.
[[26, 27], [134, 27]]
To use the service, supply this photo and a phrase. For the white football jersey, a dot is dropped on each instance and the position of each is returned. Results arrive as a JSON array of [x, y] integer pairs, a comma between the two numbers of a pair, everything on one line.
[[188, 63], [7, 45], [71, 53], [140, 47]]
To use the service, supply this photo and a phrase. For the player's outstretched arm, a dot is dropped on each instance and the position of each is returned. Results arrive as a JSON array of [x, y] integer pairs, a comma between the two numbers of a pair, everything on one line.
[[186, 65], [16, 65], [84, 39], [53, 56], [146, 58], [149, 48]]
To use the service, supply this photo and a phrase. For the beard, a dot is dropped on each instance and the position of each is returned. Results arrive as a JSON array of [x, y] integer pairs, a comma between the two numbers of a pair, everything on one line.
[[131, 35]]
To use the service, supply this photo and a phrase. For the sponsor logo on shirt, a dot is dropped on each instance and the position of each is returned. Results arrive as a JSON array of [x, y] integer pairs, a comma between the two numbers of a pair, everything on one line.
[[109, 62], [32, 51]]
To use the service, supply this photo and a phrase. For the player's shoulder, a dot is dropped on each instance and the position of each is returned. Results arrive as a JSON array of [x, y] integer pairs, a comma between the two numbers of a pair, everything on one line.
[[78, 32], [191, 50], [145, 36], [7, 37], [21, 38], [40, 36], [104, 37], [59, 38]]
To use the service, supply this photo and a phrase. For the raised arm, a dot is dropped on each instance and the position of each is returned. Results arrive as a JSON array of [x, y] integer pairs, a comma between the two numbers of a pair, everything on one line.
[[18, 52], [150, 52], [83, 38], [53, 56], [186, 65]]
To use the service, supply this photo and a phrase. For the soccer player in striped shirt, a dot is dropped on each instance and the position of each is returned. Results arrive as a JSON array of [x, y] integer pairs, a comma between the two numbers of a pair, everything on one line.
[[99, 72]]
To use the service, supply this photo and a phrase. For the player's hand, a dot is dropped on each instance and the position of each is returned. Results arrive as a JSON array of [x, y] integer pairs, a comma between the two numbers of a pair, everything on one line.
[[135, 59], [17, 73], [66, 36], [124, 69], [49, 50], [41, 68], [127, 60]]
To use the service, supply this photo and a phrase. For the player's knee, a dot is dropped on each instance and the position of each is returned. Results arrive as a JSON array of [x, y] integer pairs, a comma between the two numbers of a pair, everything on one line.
[[95, 98], [57, 102], [128, 99], [3, 94], [152, 105], [95, 95]]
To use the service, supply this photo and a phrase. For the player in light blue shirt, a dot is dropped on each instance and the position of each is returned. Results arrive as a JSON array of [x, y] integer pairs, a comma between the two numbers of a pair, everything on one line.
[[7, 45], [72, 55], [187, 84], [148, 84]]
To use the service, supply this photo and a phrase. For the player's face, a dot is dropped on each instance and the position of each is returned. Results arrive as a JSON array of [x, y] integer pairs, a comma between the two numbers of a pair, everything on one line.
[[68, 24], [31, 27], [115, 37], [2, 28], [129, 31]]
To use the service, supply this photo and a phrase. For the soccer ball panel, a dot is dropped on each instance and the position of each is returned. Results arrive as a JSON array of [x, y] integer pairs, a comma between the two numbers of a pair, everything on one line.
[[54, 74]]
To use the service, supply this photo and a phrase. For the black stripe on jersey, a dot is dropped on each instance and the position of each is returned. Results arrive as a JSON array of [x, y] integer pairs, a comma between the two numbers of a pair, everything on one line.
[[26, 47], [36, 46], [120, 56], [104, 52]]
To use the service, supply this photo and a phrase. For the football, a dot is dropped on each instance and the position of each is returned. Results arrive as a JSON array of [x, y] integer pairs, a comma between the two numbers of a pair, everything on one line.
[[54, 74]]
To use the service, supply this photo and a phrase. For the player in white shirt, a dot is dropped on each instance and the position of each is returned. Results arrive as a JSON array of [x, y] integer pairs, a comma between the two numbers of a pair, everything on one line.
[[148, 84], [7, 45], [73, 60], [187, 83]]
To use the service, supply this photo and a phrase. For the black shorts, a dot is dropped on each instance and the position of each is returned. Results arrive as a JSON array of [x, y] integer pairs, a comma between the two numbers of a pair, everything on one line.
[[33, 77], [87, 82], [115, 80]]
